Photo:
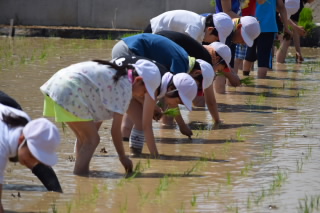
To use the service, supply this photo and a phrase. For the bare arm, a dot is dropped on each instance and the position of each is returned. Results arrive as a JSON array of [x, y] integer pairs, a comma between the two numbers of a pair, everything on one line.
[[283, 15], [233, 78], [147, 115], [299, 29], [117, 141], [212, 103], [227, 8]]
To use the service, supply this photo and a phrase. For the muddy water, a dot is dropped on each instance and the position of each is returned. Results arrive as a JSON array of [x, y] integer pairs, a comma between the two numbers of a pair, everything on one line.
[[264, 158]]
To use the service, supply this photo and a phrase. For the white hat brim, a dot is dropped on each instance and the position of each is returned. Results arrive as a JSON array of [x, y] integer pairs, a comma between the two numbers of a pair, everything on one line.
[[46, 158], [246, 38], [186, 101]]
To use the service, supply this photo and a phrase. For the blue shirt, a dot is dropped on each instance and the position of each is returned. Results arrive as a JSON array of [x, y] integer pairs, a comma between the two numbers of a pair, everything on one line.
[[235, 6], [266, 15], [160, 49]]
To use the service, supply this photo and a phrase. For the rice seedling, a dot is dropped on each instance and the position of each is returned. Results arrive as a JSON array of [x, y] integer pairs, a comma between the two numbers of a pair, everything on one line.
[[231, 208], [299, 165], [249, 102], [248, 202], [172, 112], [248, 81], [239, 135], [278, 181], [229, 178], [207, 194], [163, 185], [193, 200], [69, 207], [306, 19], [309, 204], [181, 209], [260, 196], [143, 196], [261, 98], [124, 206], [54, 208]]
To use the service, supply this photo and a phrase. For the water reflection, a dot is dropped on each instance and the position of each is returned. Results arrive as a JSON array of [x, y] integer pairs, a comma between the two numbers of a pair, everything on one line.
[[263, 155]]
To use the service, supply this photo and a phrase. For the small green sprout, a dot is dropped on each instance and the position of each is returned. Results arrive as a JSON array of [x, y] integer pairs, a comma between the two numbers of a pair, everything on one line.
[[172, 112]]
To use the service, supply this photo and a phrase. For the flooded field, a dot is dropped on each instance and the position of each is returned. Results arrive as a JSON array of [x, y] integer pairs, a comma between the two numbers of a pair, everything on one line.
[[264, 158]]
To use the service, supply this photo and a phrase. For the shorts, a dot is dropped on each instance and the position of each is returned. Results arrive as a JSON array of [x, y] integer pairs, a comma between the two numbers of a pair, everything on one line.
[[52, 109], [121, 49], [241, 50], [261, 50]]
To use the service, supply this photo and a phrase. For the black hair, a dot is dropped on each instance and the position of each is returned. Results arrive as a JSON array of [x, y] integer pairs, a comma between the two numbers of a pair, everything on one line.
[[199, 78], [121, 70], [209, 23], [13, 120], [174, 94], [223, 62]]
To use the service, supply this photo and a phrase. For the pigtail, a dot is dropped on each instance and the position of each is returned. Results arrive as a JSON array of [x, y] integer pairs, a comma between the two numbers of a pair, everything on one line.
[[13, 120], [121, 70]]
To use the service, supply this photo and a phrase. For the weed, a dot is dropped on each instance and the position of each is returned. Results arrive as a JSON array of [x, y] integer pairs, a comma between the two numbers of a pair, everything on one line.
[[193, 200], [124, 207], [299, 165], [181, 210], [228, 178]]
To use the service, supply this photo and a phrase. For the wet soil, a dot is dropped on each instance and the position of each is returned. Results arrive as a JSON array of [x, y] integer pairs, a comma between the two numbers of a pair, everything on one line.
[[264, 158]]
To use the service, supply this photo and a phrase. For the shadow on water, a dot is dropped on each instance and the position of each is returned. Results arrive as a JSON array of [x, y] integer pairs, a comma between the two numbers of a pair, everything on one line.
[[113, 175], [171, 157], [284, 88], [249, 108], [24, 187], [264, 94]]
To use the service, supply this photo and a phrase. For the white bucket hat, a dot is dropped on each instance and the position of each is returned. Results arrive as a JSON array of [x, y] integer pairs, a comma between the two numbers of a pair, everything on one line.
[[223, 50], [207, 73], [292, 6], [187, 88], [250, 29], [224, 25], [42, 138], [150, 74]]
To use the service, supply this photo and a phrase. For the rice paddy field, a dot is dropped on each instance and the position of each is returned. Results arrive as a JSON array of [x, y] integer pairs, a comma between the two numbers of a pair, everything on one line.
[[263, 158]]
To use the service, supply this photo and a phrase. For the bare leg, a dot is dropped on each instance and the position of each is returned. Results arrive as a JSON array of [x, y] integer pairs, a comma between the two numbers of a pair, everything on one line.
[[281, 53], [220, 84], [296, 41], [87, 141], [247, 66], [126, 126], [262, 72]]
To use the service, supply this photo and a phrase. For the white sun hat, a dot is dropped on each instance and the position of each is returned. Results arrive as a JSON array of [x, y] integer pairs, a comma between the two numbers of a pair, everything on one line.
[[222, 50], [42, 138], [250, 29], [224, 25], [187, 88], [207, 73], [292, 6], [150, 74]]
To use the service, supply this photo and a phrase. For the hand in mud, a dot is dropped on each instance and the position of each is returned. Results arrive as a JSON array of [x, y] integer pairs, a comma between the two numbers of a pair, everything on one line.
[[186, 131], [217, 125], [157, 114], [127, 164]]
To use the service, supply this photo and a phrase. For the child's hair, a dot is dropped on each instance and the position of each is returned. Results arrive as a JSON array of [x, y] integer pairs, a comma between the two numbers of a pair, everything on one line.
[[121, 70], [13, 120], [209, 23], [223, 62], [174, 94]]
